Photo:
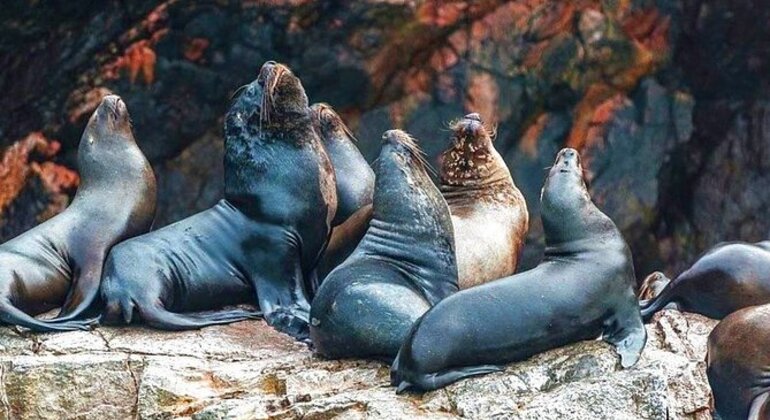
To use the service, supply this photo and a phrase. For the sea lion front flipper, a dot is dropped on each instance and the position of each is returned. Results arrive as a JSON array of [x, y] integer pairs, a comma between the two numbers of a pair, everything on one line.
[[760, 407], [629, 338], [83, 291], [281, 291]]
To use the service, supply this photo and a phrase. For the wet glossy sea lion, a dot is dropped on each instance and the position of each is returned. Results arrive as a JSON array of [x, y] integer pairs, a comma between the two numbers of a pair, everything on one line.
[[355, 187], [489, 213], [729, 277], [404, 265], [583, 289], [59, 262], [260, 244], [738, 364]]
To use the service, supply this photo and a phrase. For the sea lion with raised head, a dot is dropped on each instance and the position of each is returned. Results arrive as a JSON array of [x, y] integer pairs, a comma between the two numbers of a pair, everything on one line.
[[59, 262], [738, 364], [489, 213], [583, 289], [258, 245], [404, 264], [355, 187], [729, 277]]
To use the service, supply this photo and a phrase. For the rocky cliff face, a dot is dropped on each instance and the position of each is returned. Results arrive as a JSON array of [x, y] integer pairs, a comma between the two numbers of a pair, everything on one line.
[[666, 98], [247, 370]]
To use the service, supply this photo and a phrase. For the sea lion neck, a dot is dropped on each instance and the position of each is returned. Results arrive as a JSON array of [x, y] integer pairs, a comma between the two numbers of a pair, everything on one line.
[[411, 226], [569, 215]]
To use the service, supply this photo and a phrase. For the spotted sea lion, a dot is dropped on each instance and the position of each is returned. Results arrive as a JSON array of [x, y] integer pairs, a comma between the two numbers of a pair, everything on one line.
[[738, 364], [729, 277], [260, 244], [355, 187], [59, 262], [404, 264], [583, 289], [489, 213]]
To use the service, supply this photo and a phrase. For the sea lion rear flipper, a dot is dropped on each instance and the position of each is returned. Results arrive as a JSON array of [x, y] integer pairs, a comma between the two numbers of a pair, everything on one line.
[[15, 316], [760, 407], [158, 317], [629, 337], [431, 381]]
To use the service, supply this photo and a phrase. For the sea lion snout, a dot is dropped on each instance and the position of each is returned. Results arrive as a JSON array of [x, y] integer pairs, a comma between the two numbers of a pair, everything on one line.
[[473, 116], [567, 159]]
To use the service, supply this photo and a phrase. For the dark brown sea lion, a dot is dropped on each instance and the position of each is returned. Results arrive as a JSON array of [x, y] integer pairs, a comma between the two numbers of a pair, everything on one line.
[[738, 364], [653, 285], [729, 277], [355, 187], [489, 213], [583, 289], [59, 262], [404, 265], [260, 244]]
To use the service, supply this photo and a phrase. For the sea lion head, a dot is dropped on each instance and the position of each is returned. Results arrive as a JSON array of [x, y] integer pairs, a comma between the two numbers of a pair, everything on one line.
[[329, 123], [470, 156], [567, 211], [402, 151], [274, 100], [404, 192], [653, 285], [283, 96], [110, 121]]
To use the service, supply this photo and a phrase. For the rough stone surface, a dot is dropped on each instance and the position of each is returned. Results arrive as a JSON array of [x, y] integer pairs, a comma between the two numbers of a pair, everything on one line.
[[247, 370]]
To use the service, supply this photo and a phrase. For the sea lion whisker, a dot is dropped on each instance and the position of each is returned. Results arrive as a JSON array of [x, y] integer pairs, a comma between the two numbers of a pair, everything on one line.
[[238, 91]]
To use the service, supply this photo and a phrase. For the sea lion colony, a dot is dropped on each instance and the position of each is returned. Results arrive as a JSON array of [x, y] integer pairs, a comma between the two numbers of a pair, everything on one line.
[[369, 262]]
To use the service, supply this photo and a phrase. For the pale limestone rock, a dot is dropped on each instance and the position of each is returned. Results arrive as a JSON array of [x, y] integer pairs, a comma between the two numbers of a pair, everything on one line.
[[249, 371]]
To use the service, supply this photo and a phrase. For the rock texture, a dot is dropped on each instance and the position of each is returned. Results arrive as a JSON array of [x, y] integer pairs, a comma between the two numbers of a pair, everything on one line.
[[247, 370], [666, 97]]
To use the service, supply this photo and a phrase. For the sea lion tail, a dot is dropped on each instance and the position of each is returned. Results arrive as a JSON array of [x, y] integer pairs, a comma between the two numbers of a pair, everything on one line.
[[15, 316]]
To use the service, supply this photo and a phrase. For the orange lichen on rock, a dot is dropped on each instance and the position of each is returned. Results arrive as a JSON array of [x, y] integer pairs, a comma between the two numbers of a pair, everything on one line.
[[551, 19], [441, 13], [482, 96], [15, 167], [138, 57], [528, 143], [85, 104], [195, 48], [602, 117]]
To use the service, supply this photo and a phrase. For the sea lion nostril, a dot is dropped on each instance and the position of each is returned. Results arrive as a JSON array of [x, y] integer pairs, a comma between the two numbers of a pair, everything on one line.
[[473, 116]]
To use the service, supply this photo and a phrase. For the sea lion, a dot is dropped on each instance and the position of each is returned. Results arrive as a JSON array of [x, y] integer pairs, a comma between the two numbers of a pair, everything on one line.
[[260, 244], [583, 289], [738, 364], [59, 262], [729, 277], [354, 176], [653, 285], [355, 187], [489, 213], [404, 264]]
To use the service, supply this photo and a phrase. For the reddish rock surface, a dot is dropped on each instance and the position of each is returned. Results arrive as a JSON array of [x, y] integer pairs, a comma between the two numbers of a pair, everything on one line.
[[666, 98]]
